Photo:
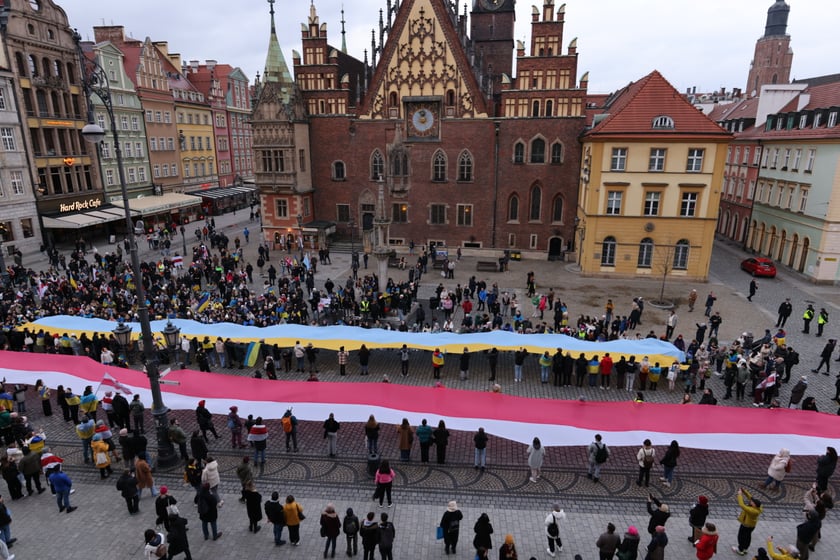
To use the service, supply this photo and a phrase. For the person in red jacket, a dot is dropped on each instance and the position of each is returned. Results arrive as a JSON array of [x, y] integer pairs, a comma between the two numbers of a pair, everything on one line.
[[706, 545], [605, 368]]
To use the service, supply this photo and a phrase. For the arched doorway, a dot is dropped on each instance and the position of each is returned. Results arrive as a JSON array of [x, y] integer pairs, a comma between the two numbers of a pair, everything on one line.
[[724, 221], [744, 229], [793, 247], [781, 256], [762, 229], [803, 258], [555, 249], [771, 242], [753, 234]]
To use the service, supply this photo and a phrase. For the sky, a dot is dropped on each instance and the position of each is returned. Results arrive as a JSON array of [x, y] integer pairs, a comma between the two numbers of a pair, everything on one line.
[[707, 44]]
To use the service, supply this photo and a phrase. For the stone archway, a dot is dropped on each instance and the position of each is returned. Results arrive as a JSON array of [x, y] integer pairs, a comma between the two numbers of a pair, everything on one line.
[[803, 257], [794, 246]]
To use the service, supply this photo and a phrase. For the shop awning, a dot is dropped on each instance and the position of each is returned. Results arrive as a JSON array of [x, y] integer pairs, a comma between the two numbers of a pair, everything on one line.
[[55, 223], [222, 192], [150, 205], [84, 219]]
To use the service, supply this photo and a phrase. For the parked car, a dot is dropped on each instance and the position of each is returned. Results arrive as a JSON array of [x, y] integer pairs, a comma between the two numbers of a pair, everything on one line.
[[759, 266]]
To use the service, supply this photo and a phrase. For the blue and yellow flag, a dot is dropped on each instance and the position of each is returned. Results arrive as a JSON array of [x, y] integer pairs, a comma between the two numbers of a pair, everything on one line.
[[73, 282], [203, 302], [252, 354]]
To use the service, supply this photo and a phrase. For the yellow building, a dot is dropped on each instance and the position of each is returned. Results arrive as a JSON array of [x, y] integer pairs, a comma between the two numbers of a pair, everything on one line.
[[649, 193]]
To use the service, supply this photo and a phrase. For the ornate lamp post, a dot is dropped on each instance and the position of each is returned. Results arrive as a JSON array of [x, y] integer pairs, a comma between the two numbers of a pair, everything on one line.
[[95, 82]]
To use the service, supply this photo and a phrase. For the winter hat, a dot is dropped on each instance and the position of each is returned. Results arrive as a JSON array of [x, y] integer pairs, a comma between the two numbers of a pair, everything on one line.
[[508, 539], [124, 432], [100, 423], [704, 501], [201, 403], [234, 408], [164, 489], [452, 506], [97, 437], [631, 530]]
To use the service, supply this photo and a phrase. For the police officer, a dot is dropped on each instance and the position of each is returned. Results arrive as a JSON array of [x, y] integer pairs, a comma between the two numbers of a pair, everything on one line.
[[822, 319], [807, 317]]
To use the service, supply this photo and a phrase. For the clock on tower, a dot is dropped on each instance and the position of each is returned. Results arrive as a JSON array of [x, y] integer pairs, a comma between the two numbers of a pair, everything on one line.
[[422, 119]]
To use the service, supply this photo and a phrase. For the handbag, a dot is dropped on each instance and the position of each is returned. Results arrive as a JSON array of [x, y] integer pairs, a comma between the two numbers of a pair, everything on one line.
[[172, 510], [323, 532], [439, 533], [101, 458]]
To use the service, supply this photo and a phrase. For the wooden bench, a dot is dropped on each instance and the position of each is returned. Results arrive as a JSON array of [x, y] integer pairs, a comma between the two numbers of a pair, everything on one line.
[[489, 266]]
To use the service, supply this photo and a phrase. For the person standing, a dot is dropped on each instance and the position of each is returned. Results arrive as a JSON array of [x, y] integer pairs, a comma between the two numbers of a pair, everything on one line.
[[404, 357], [508, 550], [608, 543], [289, 423], [598, 455], [208, 512], [350, 528], [518, 361], [143, 472], [387, 532], [492, 361], [645, 458], [425, 437], [806, 533], [483, 529], [137, 409], [822, 321], [177, 537], [753, 289], [825, 357], [179, 437], [364, 360], [464, 364], [330, 529], [780, 465], [670, 325], [697, 518], [659, 513], [629, 547], [710, 302], [552, 529], [384, 480], [369, 531], [210, 476], [437, 362], [343, 355], [748, 518], [441, 436], [234, 424], [658, 542], [807, 317], [785, 309], [162, 507], [101, 458], [706, 545], [451, 525], [480, 441], [406, 440], [669, 463], [372, 435], [30, 468], [826, 464], [245, 476], [692, 299], [536, 456], [293, 512], [205, 420], [275, 515], [127, 485], [331, 427], [258, 436], [155, 545], [798, 392], [62, 485]]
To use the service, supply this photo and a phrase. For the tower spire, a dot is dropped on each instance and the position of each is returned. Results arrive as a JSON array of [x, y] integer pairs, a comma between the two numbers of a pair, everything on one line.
[[343, 33], [276, 69]]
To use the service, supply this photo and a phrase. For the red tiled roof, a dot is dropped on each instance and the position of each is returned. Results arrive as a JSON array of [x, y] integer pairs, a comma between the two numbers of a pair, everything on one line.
[[743, 109], [824, 96], [635, 108]]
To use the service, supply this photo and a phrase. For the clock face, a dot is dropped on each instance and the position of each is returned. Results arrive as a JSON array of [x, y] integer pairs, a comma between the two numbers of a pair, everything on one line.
[[492, 4], [423, 120]]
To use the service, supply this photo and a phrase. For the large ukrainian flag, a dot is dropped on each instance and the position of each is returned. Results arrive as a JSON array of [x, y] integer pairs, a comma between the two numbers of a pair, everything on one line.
[[252, 354]]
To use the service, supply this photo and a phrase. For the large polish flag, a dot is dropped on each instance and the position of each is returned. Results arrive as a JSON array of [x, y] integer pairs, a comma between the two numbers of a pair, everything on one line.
[[555, 422]]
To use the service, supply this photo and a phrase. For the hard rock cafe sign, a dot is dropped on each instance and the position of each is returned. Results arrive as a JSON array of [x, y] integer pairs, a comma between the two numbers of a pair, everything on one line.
[[77, 205]]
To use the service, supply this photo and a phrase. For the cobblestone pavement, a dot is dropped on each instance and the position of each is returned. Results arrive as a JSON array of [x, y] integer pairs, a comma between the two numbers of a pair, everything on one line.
[[514, 504]]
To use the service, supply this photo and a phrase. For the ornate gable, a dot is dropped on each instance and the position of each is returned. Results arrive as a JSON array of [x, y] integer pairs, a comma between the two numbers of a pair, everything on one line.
[[423, 58]]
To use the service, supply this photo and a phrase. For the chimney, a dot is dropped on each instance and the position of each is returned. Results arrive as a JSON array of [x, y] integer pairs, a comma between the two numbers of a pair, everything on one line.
[[112, 33], [163, 47], [211, 64]]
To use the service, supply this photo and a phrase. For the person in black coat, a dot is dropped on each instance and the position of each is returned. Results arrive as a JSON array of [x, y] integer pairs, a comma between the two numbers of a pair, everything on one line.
[[127, 485], [825, 468], [205, 420], [697, 517], [208, 512], [369, 532], [253, 503], [163, 501], [659, 513], [483, 529], [451, 525], [177, 537], [441, 436], [198, 446]]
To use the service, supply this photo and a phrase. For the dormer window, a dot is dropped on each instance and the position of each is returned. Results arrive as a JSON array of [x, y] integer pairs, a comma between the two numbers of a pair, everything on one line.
[[663, 121], [803, 120], [832, 119], [817, 119]]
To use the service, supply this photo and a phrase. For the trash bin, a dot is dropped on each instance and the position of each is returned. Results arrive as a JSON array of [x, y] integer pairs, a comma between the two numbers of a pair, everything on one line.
[[373, 464]]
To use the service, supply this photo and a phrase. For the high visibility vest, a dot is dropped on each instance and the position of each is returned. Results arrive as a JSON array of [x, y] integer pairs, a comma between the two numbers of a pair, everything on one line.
[[809, 314], [822, 319]]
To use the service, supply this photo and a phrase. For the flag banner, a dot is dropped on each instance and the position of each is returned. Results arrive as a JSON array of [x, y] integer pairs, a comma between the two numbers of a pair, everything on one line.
[[252, 354], [203, 302], [110, 381]]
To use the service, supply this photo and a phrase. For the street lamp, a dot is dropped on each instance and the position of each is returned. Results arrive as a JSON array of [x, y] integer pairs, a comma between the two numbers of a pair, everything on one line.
[[95, 82], [172, 336], [300, 234]]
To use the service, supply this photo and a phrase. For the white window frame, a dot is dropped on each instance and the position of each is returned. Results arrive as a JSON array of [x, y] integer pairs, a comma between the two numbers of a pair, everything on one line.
[[809, 162], [803, 198], [109, 177], [464, 213], [695, 159], [618, 159], [688, 204], [656, 161], [797, 159], [614, 203], [7, 135], [653, 200], [16, 181]]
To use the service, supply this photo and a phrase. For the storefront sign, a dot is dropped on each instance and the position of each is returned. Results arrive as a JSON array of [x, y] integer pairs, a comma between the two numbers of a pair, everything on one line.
[[88, 204]]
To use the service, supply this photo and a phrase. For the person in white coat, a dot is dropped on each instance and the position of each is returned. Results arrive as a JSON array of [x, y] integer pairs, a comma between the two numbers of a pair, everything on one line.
[[552, 529], [780, 465], [536, 455]]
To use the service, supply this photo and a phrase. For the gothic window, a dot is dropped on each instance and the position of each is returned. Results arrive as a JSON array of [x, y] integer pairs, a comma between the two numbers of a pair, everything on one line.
[[535, 110], [439, 166], [399, 164], [339, 172], [450, 97], [536, 203], [465, 167], [377, 165], [556, 153], [549, 107], [538, 150], [557, 209], [513, 209], [519, 153]]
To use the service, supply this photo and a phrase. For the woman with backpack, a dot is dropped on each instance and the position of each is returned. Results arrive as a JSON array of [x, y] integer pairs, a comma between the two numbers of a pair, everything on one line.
[[350, 527], [645, 458], [450, 523], [552, 529]]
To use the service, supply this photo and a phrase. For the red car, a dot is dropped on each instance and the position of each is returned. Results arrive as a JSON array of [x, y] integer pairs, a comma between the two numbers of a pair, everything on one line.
[[759, 266]]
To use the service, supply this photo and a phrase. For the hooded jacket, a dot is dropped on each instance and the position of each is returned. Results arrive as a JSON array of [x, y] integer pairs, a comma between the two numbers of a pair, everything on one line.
[[707, 545], [210, 475]]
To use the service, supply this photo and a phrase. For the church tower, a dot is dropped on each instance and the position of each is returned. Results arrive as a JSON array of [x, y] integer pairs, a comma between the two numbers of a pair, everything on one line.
[[773, 56], [492, 23]]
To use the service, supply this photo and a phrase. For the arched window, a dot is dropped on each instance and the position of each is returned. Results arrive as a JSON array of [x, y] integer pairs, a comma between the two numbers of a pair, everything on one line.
[[538, 150], [377, 165], [681, 254], [519, 153], [549, 108], [339, 173], [45, 64], [535, 109], [392, 99], [513, 209], [57, 69], [536, 203], [557, 209], [465, 167], [439, 166], [557, 153], [608, 251], [21, 66], [399, 164], [71, 73], [33, 66], [450, 97], [645, 253]]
